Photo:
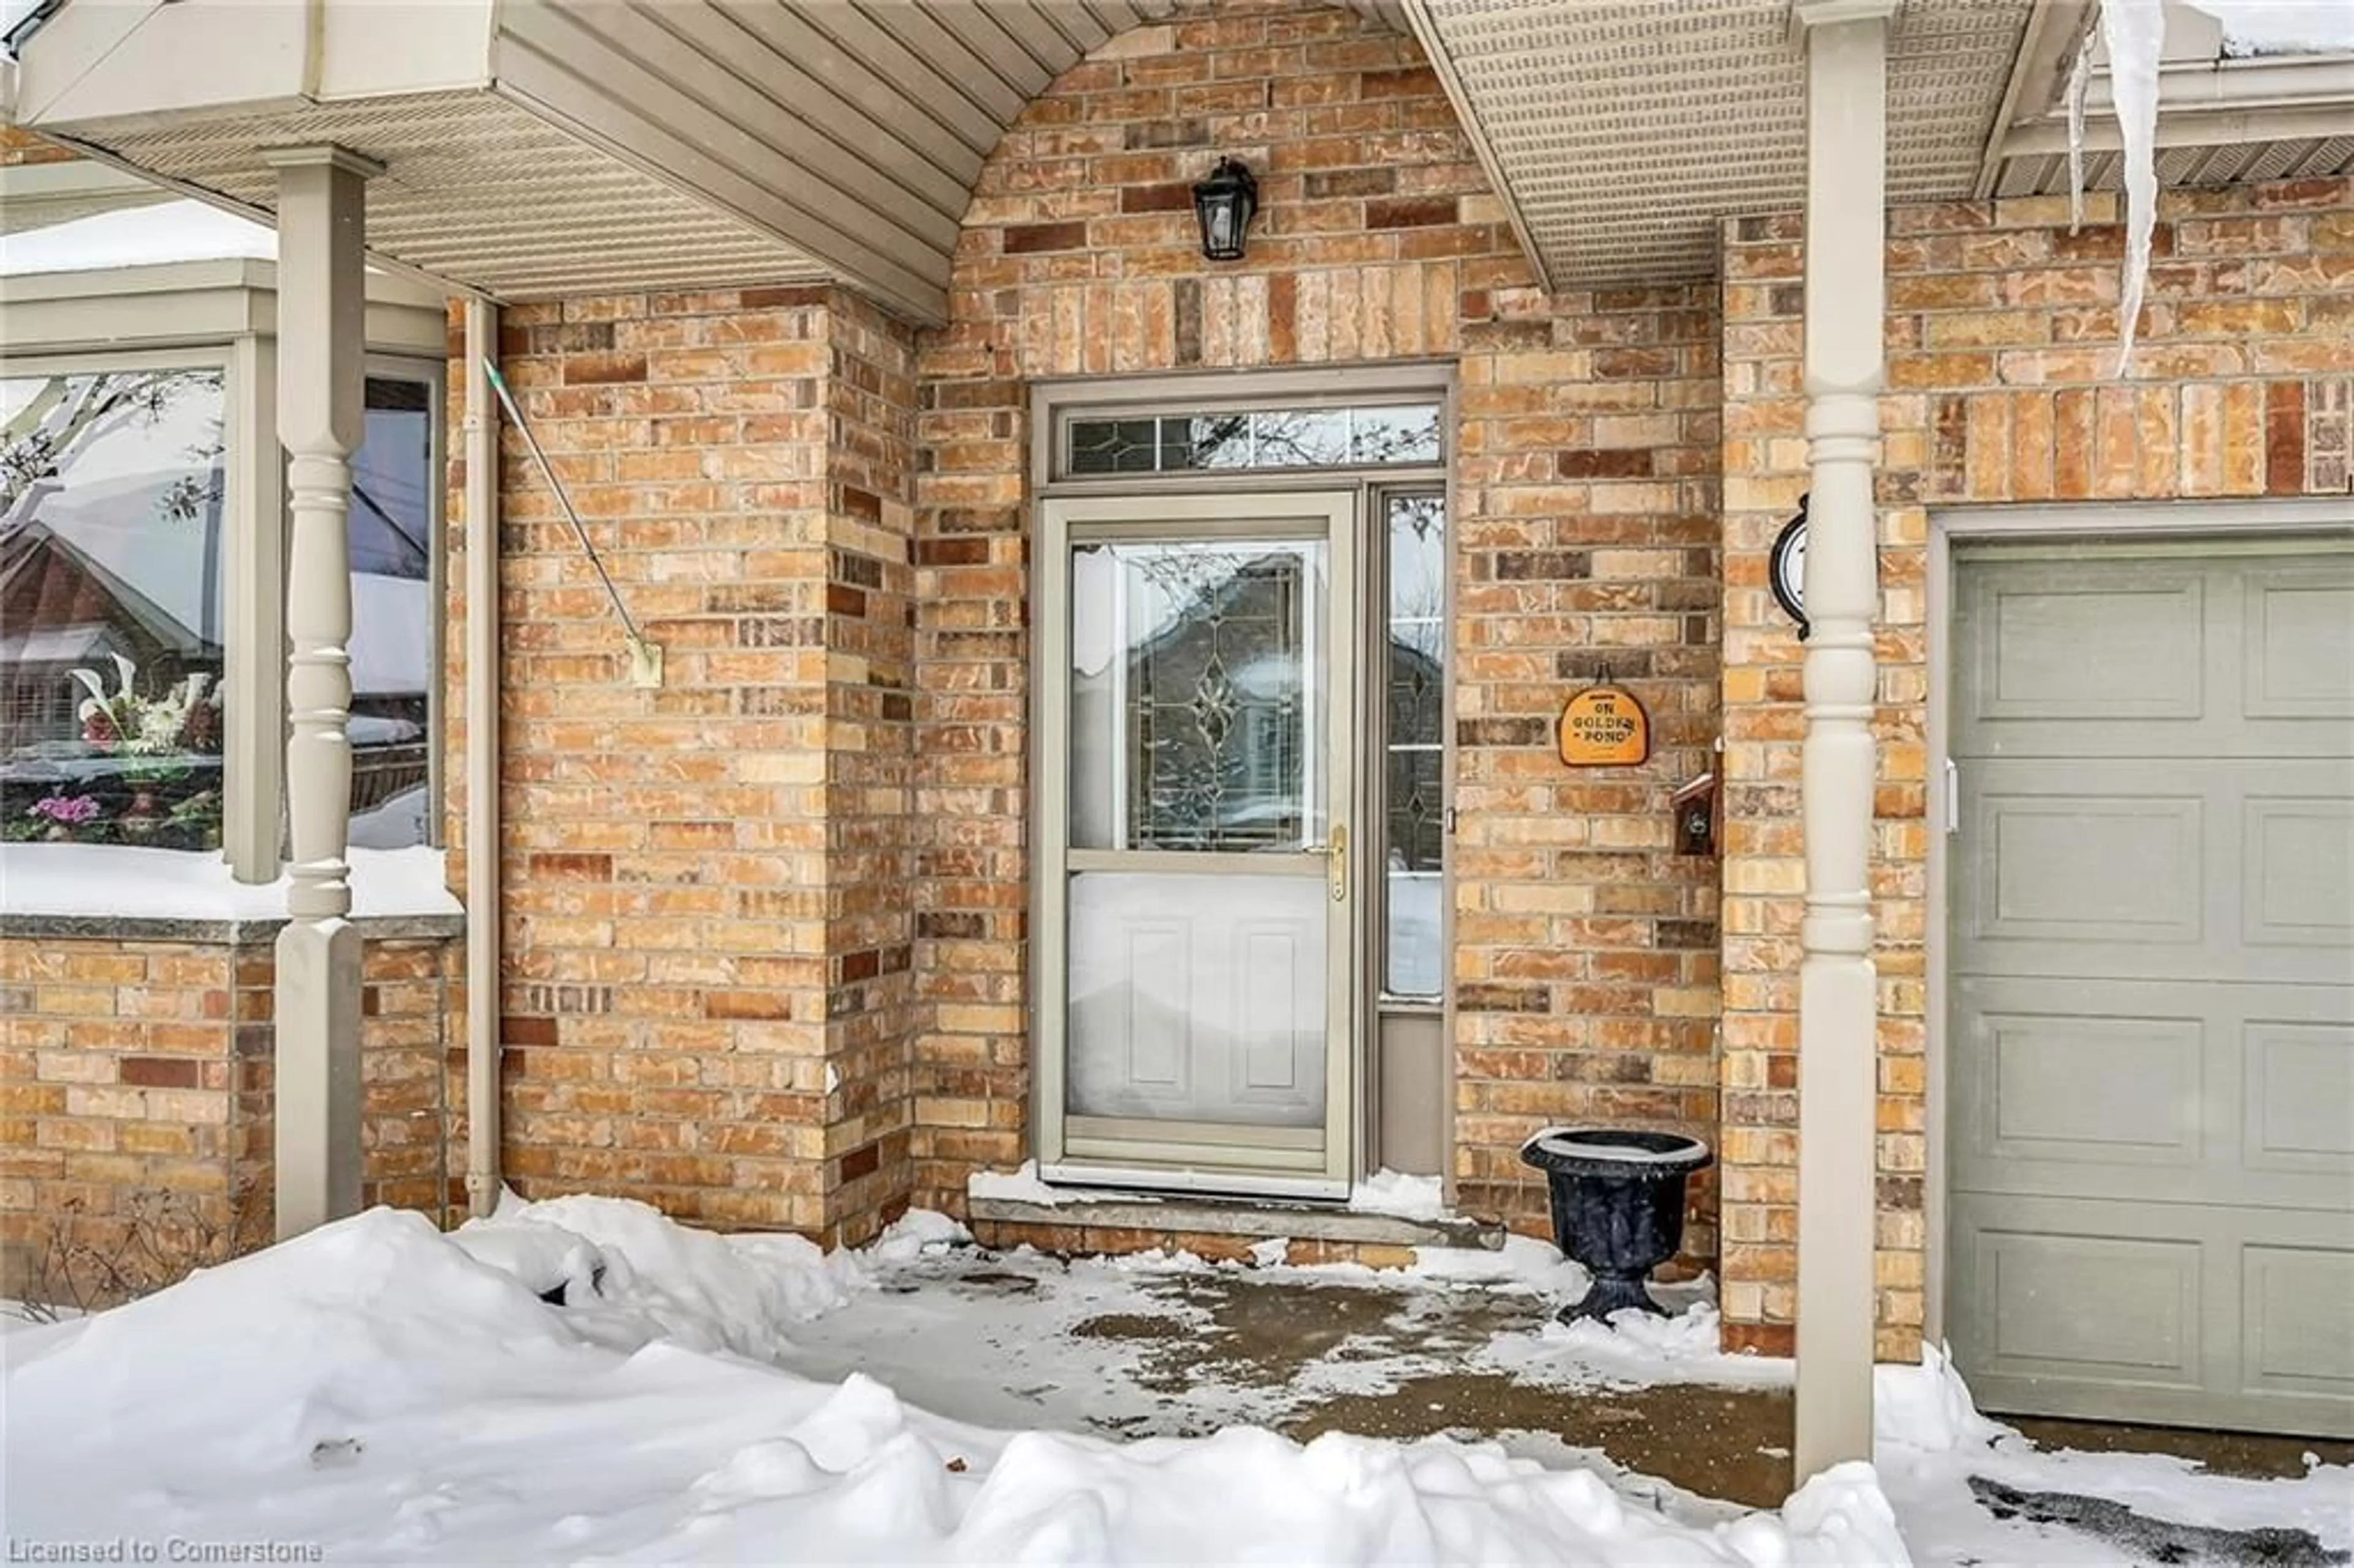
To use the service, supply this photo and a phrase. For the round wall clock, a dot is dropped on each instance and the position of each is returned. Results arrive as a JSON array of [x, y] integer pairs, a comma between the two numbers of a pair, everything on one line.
[[1786, 570]]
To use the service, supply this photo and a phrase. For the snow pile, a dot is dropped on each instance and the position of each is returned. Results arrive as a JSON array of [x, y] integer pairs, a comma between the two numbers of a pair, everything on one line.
[[2253, 27], [1928, 1407], [1690, 1334], [1521, 1260], [917, 1234], [631, 1277], [190, 885], [1021, 1186], [1635, 1349], [1024, 1185], [141, 236], [1389, 1191], [380, 1390]]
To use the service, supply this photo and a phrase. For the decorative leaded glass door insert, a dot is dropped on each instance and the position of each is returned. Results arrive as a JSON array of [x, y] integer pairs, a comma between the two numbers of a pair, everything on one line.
[[1196, 762]]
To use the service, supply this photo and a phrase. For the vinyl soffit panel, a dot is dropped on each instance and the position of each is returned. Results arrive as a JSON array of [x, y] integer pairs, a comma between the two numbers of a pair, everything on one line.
[[2046, 173], [482, 192], [1701, 102]]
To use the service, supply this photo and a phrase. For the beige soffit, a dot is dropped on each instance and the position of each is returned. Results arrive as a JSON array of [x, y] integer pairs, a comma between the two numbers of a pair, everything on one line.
[[2220, 122], [477, 191], [611, 145], [1622, 130], [855, 127]]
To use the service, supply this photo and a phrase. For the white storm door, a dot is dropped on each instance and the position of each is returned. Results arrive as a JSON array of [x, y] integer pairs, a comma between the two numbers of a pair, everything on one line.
[[1198, 709]]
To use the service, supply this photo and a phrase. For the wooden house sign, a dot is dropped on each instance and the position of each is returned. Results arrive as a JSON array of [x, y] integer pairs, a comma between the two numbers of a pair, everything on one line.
[[1605, 726]]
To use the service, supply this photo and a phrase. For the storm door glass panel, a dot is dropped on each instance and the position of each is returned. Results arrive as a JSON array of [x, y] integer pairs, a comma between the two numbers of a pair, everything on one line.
[[1413, 808], [1198, 913], [1195, 697]]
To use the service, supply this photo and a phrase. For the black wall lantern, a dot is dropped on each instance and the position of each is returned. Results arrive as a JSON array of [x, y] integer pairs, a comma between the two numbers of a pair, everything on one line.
[[1225, 203]]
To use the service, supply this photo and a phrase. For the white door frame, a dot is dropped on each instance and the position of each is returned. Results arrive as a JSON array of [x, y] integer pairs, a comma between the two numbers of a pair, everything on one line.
[[2060, 522]]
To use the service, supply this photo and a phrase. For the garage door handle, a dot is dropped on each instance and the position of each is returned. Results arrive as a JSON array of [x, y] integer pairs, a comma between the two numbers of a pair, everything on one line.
[[1952, 798]]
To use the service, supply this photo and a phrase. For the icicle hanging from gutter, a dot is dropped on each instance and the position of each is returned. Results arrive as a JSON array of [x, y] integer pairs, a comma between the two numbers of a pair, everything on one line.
[[2135, 31], [2079, 81]]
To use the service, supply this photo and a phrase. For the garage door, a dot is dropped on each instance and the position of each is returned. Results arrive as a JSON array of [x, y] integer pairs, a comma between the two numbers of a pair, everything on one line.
[[2150, 1078]]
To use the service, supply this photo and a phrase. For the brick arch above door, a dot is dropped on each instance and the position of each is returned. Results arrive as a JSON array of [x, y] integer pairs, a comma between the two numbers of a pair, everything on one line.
[[1584, 453]]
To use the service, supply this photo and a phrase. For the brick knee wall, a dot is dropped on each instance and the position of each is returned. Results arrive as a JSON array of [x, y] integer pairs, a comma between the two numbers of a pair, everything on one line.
[[135, 1107], [1585, 519], [2003, 333]]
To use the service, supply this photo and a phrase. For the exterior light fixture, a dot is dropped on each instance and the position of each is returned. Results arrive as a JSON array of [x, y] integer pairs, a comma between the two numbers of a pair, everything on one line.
[[1225, 203]]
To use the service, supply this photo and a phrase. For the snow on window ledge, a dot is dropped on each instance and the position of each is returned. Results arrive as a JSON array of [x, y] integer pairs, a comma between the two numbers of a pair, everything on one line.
[[99, 887]]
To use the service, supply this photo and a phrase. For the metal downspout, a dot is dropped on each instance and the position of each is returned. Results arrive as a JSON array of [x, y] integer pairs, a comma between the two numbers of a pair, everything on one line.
[[484, 915]]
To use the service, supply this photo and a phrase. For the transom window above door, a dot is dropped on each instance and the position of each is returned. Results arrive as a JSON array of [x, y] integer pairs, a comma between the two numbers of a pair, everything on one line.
[[1381, 435]]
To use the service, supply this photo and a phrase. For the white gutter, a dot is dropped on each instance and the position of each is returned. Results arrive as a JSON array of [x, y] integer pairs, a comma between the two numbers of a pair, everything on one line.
[[483, 757]]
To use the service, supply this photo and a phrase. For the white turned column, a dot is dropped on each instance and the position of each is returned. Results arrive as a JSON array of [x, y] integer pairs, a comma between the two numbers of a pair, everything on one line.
[[322, 350], [1846, 45]]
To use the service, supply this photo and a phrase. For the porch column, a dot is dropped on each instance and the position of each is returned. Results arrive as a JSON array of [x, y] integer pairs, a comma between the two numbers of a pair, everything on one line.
[[321, 341], [1846, 45]]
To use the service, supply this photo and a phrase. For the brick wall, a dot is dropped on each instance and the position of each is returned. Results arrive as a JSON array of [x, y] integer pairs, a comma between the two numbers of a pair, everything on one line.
[[137, 1094], [871, 1019], [2002, 333], [681, 862], [1585, 509], [19, 146]]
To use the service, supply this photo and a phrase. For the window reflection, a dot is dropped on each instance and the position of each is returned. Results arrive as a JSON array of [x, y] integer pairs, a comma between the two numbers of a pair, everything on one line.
[[1193, 691], [112, 609], [391, 535], [1414, 790], [111, 515], [1257, 438]]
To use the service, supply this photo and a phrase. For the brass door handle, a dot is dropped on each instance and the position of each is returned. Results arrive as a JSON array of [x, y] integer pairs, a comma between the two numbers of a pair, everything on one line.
[[1336, 860]]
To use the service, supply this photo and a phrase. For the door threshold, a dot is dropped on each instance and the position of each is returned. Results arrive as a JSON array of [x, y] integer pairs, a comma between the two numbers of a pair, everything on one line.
[[1237, 1186], [1104, 1221]]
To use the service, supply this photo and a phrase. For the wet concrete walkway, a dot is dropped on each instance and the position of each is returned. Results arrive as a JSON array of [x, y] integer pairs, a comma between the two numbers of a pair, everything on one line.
[[1713, 1442], [1138, 1351]]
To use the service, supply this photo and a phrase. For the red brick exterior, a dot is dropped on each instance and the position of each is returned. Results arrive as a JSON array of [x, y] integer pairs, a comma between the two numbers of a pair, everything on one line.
[[1585, 504], [2002, 334], [136, 1069], [707, 1001], [19, 147]]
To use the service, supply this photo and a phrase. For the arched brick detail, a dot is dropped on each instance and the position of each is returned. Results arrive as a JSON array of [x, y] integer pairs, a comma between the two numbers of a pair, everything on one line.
[[1585, 506]]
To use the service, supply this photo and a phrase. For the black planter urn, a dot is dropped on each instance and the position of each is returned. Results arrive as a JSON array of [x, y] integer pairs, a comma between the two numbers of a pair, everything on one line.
[[1618, 1200]]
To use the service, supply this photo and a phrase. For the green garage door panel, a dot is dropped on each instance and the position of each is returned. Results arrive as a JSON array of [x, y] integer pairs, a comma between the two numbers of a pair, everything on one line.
[[2150, 1088]]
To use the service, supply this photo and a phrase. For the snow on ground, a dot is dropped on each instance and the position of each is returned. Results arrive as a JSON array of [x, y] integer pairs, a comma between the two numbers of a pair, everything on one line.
[[392, 1395], [389, 1393], [1931, 1442]]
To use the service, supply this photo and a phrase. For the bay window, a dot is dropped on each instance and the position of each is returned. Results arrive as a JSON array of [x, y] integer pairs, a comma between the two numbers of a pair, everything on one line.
[[142, 547]]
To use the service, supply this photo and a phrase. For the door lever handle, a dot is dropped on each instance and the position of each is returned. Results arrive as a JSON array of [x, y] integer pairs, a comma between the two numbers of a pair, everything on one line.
[[1336, 862]]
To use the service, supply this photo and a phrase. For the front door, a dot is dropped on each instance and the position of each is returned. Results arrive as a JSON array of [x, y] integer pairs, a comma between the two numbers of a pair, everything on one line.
[[1197, 988]]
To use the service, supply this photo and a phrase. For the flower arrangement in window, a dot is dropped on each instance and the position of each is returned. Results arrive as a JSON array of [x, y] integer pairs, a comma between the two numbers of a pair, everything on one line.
[[155, 767]]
